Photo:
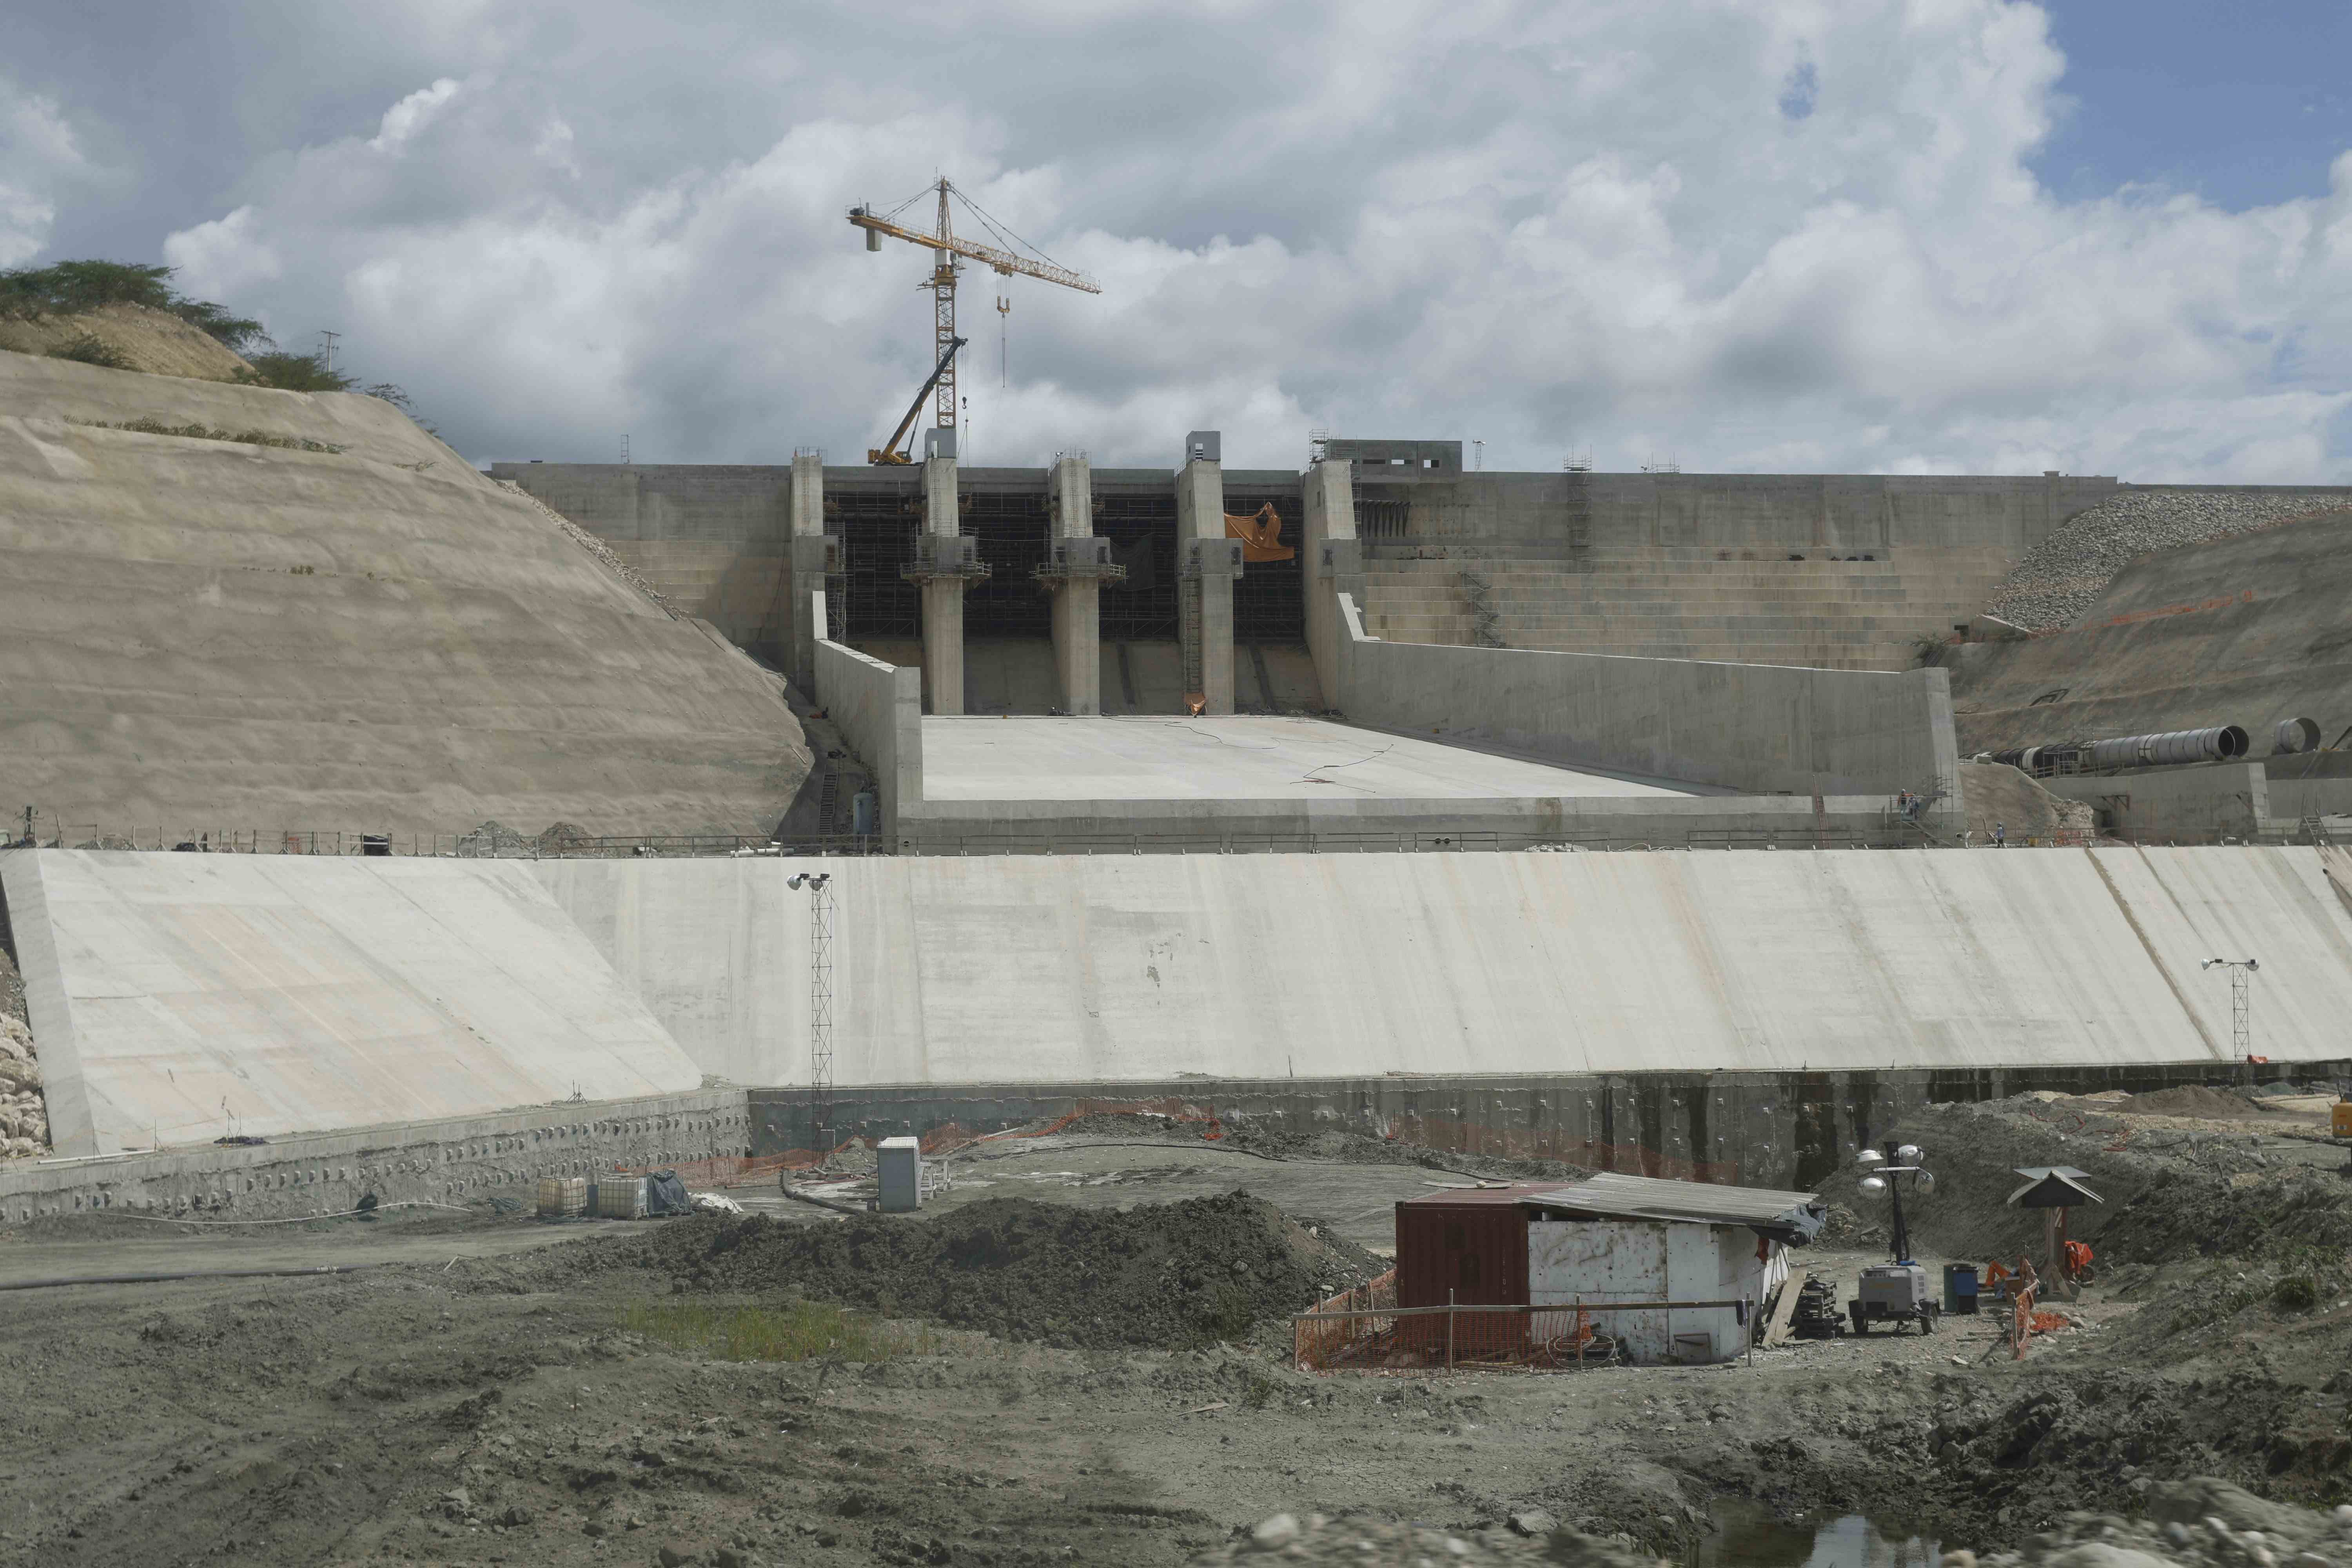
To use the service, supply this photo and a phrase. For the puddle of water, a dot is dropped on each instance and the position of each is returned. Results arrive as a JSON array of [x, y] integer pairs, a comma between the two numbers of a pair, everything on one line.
[[1747, 1536]]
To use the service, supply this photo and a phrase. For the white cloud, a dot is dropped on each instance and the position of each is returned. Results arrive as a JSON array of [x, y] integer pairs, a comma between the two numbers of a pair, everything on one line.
[[38, 154], [1795, 234], [227, 256], [412, 114]]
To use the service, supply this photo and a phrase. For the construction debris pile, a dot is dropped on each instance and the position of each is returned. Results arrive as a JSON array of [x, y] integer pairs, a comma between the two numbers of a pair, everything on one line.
[[2065, 573], [2200, 1520], [1530, 1536]]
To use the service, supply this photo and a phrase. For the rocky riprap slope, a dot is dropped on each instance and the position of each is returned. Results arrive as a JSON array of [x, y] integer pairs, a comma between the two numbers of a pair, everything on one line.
[[24, 1113], [2064, 575]]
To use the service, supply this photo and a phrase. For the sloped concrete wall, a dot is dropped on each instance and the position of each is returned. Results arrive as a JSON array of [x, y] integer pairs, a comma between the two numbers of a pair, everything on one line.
[[879, 708], [1759, 729], [176, 998], [1041, 970], [212, 636]]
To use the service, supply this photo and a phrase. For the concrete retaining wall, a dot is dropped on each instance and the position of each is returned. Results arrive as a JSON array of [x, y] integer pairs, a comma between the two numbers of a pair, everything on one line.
[[2188, 806], [1759, 729], [450, 1161], [1144, 968], [1772, 512], [713, 538], [179, 998], [878, 709]]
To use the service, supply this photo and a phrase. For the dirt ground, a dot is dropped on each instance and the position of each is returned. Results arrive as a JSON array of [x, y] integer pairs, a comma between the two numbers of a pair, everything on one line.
[[487, 1389]]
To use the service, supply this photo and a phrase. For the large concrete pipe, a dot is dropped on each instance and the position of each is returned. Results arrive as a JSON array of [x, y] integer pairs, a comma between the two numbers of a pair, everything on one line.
[[2294, 735], [2040, 761], [2218, 743]]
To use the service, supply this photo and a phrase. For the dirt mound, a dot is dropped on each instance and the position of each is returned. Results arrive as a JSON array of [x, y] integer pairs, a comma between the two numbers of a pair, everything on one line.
[[127, 337], [1155, 1275], [2172, 1193], [2190, 1100]]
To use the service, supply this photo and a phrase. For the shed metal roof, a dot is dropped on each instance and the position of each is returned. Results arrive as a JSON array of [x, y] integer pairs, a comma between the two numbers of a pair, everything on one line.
[[1479, 1196], [1792, 1217], [2052, 1187]]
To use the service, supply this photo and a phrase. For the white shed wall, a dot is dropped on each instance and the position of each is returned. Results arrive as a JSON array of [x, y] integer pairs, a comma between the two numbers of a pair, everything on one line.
[[1601, 1261]]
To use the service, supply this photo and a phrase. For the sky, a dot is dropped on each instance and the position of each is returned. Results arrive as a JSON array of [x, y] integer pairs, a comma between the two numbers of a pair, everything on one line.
[[1846, 235]]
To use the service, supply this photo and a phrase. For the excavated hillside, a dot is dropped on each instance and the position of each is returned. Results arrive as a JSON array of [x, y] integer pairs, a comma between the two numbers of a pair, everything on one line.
[[2249, 629], [232, 609], [139, 337]]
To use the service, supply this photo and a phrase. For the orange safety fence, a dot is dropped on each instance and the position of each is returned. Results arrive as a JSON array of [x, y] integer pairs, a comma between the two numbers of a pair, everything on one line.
[[1317, 1340]]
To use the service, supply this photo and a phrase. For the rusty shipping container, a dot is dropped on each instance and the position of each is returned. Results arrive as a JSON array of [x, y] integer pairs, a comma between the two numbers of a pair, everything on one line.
[[1470, 1241]]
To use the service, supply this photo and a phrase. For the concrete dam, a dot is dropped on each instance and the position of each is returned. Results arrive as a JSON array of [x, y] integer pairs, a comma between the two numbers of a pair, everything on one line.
[[1622, 819]]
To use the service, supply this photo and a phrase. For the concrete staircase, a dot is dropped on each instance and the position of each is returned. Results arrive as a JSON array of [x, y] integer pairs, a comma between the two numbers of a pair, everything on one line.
[[1664, 603]]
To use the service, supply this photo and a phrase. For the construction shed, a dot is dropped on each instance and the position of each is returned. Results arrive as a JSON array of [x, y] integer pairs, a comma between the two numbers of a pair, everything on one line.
[[1608, 1240], [1639, 1238]]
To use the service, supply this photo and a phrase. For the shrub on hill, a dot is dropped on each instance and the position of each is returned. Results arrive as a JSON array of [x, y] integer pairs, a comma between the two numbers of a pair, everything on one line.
[[76, 288]]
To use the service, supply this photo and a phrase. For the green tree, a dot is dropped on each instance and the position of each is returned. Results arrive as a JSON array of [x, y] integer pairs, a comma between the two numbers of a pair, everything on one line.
[[77, 288]]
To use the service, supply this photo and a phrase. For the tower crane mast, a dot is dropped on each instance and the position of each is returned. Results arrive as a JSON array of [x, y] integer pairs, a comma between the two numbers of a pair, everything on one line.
[[950, 252]]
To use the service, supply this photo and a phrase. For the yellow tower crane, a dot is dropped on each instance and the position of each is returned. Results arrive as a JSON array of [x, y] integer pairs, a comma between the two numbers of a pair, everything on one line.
[[951, 254]]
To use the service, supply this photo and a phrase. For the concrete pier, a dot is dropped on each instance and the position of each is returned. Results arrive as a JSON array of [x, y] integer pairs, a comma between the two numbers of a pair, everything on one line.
[[804, 574], [942, 593], [1077, 595], [1333, 566], [1207, 563]]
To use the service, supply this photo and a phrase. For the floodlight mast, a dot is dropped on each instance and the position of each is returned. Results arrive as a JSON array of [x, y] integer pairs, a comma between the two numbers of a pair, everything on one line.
[[819, 885], [2241, 1030], [1909, 1154]]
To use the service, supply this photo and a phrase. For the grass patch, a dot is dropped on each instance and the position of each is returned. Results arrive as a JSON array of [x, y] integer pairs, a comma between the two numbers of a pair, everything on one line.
[[796, 1331], [205, 433]]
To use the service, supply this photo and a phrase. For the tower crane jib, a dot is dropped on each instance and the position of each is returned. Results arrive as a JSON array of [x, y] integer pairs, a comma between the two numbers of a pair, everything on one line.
[[950, 252]]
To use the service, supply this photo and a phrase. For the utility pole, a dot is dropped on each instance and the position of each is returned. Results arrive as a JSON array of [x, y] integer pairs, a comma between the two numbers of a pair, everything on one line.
[[327, 352], [625, 448], [820, 890]]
